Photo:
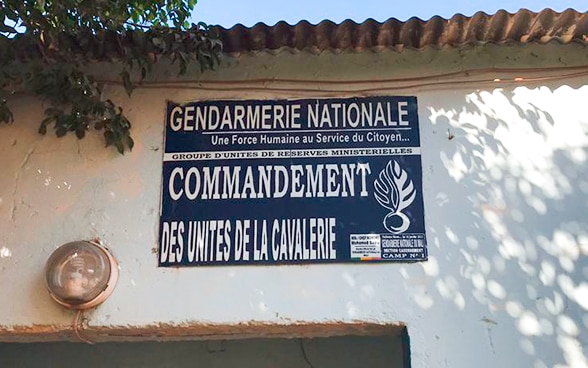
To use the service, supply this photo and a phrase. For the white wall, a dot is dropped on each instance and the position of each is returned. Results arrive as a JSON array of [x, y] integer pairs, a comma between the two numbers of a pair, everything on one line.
[[506, 204]]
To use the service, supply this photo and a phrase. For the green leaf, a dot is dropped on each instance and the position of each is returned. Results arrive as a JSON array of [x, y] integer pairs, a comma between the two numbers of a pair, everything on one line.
[[80, 133], [5, 114], [108, 138], [119, 147], [60, 132], [127, 83], [55, 39]]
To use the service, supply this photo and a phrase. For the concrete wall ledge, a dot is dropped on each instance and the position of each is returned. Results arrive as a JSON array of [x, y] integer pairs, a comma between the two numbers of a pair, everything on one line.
[[194, 331]]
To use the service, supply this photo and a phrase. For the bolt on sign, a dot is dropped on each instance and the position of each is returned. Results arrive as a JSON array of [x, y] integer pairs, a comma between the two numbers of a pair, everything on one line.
[[292, 181]]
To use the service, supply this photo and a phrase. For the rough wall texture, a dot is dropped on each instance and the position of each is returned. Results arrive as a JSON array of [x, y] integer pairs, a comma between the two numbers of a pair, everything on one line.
[[505, 166]]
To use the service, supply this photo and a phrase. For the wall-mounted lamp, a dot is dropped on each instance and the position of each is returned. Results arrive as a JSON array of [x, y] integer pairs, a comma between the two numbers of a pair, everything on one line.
[[81, 274]]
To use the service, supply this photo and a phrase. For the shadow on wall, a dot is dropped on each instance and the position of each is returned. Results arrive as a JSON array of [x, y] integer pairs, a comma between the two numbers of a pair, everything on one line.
[[508, 219]]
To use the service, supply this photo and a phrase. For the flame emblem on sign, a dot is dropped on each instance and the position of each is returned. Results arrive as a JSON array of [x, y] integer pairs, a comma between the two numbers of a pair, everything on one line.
[[394, 191]]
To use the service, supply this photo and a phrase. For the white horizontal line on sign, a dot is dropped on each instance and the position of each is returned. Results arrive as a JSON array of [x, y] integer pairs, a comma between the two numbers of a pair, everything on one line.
[[291, 153], [301, 131]]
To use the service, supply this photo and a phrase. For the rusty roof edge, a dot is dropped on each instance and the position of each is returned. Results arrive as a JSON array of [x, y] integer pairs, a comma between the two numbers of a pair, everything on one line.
[[523, 26], [400, 47]]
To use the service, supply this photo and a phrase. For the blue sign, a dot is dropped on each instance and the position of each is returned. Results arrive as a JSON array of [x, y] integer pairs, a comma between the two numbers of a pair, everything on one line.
[[292, 181]]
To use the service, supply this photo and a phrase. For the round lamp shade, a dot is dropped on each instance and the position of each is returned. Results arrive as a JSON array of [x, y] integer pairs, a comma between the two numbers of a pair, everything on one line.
[[81, 274]]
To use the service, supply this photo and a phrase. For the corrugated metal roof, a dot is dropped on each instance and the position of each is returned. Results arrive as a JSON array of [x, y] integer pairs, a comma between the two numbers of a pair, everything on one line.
[[522, 27]]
